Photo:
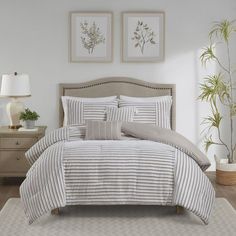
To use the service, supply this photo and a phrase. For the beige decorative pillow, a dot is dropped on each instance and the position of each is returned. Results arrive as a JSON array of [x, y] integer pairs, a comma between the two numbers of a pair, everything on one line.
[[103, 130]]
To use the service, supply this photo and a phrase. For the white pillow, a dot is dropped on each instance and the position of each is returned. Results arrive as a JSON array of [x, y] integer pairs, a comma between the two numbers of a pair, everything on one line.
[[77, 110], [125, 114], [151, 110]]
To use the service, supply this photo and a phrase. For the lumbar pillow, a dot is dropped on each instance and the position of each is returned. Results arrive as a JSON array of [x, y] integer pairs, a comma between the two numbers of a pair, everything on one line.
[[105, 130]]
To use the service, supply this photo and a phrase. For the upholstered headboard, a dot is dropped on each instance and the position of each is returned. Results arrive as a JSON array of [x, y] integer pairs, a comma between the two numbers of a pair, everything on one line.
[[118, 86]]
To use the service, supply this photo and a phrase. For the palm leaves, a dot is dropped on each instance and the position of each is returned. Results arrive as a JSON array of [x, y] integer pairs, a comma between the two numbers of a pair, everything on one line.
[[208, 142], [218, 89], [213, 120], [233, 109], [223, 30], [215, 87], [208, 54]]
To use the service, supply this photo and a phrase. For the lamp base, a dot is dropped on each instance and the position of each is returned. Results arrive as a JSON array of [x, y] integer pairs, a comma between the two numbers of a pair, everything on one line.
[[14, 126], [14, 108]]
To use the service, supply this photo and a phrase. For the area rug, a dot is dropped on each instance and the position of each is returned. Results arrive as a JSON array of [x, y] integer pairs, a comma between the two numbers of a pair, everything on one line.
[[118, 221]]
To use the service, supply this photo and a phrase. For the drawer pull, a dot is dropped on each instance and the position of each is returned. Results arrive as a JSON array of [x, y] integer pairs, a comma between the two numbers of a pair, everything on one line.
[[18, 158], [18, 142]]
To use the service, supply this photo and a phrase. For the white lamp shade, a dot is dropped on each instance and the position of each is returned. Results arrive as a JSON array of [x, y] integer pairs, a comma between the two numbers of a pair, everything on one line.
[[15, 85]]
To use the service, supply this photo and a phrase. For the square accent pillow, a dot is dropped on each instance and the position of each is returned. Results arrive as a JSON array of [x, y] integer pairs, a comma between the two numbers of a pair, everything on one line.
[[103, 130], [125, 114]]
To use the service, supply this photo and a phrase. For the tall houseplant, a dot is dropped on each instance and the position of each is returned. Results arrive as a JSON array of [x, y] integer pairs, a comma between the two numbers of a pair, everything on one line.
[[219, 89]]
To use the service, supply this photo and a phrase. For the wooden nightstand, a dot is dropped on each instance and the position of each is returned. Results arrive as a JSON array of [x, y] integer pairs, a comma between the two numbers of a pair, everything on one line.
[[13, 145]]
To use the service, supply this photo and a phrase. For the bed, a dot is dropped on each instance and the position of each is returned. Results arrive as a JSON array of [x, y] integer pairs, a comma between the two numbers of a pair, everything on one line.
[[151, 164]]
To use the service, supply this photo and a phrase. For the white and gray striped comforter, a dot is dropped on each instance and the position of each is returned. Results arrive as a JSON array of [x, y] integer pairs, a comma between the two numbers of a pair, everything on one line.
[[68, 170]]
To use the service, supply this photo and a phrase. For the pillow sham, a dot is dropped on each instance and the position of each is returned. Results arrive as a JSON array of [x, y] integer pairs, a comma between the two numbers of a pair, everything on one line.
[[98, 99], [140, 99], [125, 114], [77, 110], [103, 130], [77, 131], [151, 110]]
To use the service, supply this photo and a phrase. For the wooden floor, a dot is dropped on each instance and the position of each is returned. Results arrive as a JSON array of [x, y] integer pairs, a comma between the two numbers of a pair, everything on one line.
[[228, 192], [9, 188]]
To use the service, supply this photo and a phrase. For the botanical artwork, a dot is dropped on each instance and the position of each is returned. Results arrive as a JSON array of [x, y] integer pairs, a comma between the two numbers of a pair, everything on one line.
[[91, 37], [143, 35]]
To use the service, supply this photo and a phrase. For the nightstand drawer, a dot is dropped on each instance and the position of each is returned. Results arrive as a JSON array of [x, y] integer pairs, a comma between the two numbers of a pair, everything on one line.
[[17, 142], [13, 162]]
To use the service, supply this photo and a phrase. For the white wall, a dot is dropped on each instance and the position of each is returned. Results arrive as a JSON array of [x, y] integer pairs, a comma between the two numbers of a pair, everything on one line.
[[34, 40]]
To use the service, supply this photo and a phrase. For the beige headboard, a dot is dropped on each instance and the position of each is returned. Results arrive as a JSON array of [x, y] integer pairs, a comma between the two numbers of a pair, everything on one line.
[[119, 86]]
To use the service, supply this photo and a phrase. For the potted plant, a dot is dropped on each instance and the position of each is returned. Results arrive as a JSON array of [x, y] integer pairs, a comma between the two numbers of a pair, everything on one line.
[[29, 117], [219, 89]]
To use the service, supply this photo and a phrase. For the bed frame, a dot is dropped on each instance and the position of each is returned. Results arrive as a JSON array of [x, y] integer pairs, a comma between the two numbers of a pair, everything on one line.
[[110, 86]]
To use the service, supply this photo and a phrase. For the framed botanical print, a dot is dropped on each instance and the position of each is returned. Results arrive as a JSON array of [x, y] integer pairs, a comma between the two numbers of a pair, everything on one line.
[[91, 36], [143, 37]]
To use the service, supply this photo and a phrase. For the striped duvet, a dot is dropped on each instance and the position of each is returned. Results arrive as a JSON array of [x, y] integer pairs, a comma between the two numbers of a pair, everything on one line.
[[68, 170]]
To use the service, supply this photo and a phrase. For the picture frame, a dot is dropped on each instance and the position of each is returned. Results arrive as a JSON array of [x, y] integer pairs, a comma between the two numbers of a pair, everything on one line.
[[91, 36], [143, 36]]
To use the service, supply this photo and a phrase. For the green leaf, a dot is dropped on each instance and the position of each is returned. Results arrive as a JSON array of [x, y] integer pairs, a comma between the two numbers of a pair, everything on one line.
[[214, 120], [233, 109], [214, 87], [208, 142], [208, 54], [29, 115], [223, 30]]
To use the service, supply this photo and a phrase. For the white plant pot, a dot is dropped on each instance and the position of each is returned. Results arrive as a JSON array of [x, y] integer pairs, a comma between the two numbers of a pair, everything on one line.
[[29, 124], [225, 172]]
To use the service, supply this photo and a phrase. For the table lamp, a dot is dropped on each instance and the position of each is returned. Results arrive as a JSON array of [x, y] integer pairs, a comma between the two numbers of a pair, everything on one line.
[[15, 86]]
